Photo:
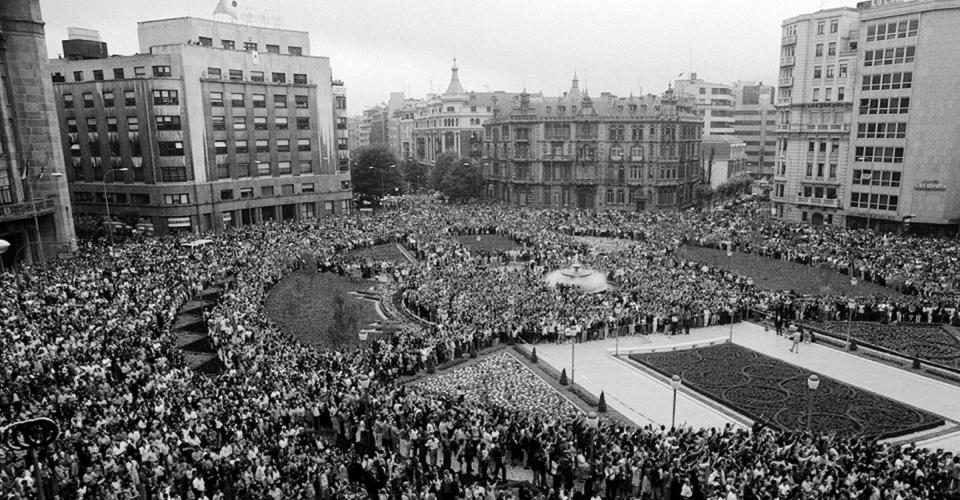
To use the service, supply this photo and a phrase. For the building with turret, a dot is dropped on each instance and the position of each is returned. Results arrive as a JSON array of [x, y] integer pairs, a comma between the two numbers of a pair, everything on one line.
[[626, 153]]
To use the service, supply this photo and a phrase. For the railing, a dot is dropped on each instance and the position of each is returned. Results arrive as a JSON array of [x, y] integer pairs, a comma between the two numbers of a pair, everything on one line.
[[788, 39], [27, 209], [786, 82], [819, 202], [787, 61]]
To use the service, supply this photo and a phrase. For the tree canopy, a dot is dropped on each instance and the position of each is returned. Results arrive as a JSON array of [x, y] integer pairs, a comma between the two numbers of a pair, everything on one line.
[[375, 172]]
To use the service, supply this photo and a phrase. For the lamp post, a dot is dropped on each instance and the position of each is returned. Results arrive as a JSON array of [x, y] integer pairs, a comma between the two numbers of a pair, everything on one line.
[[381, 178], [106, 200], [4, 246], [812, 382], [851, 305], [675, 383], [571, 333]]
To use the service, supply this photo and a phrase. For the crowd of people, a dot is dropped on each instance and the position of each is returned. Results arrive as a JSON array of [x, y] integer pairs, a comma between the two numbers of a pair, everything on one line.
[[87, 342]]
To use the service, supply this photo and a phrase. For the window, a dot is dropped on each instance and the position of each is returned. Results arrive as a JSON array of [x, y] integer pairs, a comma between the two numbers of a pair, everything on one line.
[[236, 74], [286, 189], [266, 191], [283, 168], [301, 101], [273, 49], [71, 125], [879, 154], [78, 76], [170, 148], [259, 122], [161, 71], [295, 51], [133, 124], [94, 147], [341, 123], [816, 95], [239, 122], [279, 77], [280, 123], [240, 146], [168, 122], [893, 55], [306, 166], [108, 98], [236, 99], [874, 201], [88, 99], [118, 73], [283, 145], [256, 76], [820, 26], [176, 199], [893, 105], [818, 52], [883, 178], [98, 75], [817, 72], [259, 100], [165, 97], [246, 192], [219, 122], [173, 174], [250, 46], [228, 44], [243, 170], [263, 168], [205, 41], [91, 125], [887, 81], [300, 78], [829, 71], [303, 123], [263, 146], [889, 31], [280, 101], [832, 49], [341, 102], [220, 147], [139, 71], [303, 145], [216, 99], [223, 172], [834, 26], [68, 101], [308, 187], [881, 130]]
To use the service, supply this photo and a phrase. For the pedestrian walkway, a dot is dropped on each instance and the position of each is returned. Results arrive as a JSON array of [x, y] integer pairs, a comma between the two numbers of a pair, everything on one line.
[[647, 398]]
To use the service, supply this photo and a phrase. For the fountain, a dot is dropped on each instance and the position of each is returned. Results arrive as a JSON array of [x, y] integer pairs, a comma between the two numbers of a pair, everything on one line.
[[587, 280]]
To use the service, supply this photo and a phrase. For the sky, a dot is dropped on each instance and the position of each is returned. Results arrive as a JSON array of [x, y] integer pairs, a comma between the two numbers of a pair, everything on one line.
[[382, 46]]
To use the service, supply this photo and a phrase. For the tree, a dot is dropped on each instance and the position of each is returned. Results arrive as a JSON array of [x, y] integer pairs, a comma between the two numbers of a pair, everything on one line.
[[346, 320], [414, 175], [375, 171], [438, 173], [462, 181]]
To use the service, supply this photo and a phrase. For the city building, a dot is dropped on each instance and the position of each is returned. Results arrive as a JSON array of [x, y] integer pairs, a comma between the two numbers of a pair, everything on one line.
[[631, 153], [353, 132], [212, 124], [818, 65], [715, 103], [35, 212], [724, 158], [755, 122]]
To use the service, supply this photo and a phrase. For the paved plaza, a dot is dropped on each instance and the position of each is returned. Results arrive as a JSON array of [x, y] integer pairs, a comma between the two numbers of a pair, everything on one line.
[[646, 398]]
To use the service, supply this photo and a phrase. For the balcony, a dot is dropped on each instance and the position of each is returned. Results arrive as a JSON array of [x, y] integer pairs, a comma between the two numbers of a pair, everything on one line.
[[786, 82], [784, 101], [27, 209], [828, 127], [788, 39], [787, 61], [819, 202]]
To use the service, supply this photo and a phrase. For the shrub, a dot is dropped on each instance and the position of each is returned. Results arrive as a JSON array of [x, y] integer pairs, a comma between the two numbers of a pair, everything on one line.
[[853, 345], [563, 377], [533, 356], [916, 363], [602, 405]]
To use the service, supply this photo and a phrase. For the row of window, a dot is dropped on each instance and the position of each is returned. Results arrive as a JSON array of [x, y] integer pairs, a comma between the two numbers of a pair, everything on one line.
[[133, 124], [885, 106], [256, 76], [831, 49], [264, 168], [827, 192], [118, 73], [876, 201], [828, 94], [888, 81], [821, 26], [893, 55], [250, 46], [889, 31], [883, 178], [238, 100], [161, 97], [879, 154], [881, 130], [262, 146], [818, 71], [260, 123], [821, 170]]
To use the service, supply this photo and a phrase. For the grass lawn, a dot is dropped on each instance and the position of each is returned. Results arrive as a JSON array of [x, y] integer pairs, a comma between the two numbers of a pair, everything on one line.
[[775, 274], [384, 253], [302, 303], [756, 385], [487, 242]]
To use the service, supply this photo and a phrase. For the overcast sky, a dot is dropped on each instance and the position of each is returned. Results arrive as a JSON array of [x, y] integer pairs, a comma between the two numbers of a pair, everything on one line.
[[379, 46]]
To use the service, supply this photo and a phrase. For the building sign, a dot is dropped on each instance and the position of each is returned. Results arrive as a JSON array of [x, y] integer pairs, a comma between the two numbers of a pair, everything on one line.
[[929, 186]]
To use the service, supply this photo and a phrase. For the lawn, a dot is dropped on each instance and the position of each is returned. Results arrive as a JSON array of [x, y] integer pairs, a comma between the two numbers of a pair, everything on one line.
[[774, 274], [927, 342], [382, 253], [757, 386], [302, 304], [487, 242]]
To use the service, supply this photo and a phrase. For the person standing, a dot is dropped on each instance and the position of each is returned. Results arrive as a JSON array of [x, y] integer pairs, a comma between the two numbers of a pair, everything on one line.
[[795, 339]]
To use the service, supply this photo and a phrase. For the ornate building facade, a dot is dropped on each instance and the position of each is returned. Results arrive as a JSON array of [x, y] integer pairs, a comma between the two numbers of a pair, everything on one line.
[[631, 153]]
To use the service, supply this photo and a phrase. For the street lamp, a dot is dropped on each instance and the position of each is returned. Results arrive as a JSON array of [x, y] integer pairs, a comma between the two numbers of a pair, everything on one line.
[[371, 167], [675, 383], [4, 246], [571, 333], [812, 382], [106, 200]]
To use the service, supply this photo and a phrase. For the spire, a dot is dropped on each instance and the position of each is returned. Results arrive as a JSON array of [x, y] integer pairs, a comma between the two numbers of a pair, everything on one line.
[[574, 94], [576, 82], [454, 88]]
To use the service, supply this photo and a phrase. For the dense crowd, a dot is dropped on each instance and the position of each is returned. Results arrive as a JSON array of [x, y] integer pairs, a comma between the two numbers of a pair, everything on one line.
[[88, 343]]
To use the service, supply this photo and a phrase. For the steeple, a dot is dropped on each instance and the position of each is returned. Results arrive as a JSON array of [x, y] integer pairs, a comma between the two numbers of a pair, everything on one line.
[[454, 88], [574, 94]]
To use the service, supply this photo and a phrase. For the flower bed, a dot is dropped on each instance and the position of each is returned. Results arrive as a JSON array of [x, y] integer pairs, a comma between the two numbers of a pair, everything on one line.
[[913, 340], [759, 386], [500, 381], [381, 253]]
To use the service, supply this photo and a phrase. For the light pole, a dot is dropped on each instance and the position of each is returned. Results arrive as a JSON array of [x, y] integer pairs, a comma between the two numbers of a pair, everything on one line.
[[675, 383], [371, 167], [4, 246], [106, 200], [812, 382], [851, 305], [571, 333]]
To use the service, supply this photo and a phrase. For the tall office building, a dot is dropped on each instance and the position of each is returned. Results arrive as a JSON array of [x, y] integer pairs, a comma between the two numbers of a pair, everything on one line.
[[619, 153], [212, 124], [715, 103], [755, 122], [35, 213]]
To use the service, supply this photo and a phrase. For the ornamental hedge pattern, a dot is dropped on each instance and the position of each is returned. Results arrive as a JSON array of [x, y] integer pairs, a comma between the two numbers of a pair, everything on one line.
[[928, 342], [759, 386]]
